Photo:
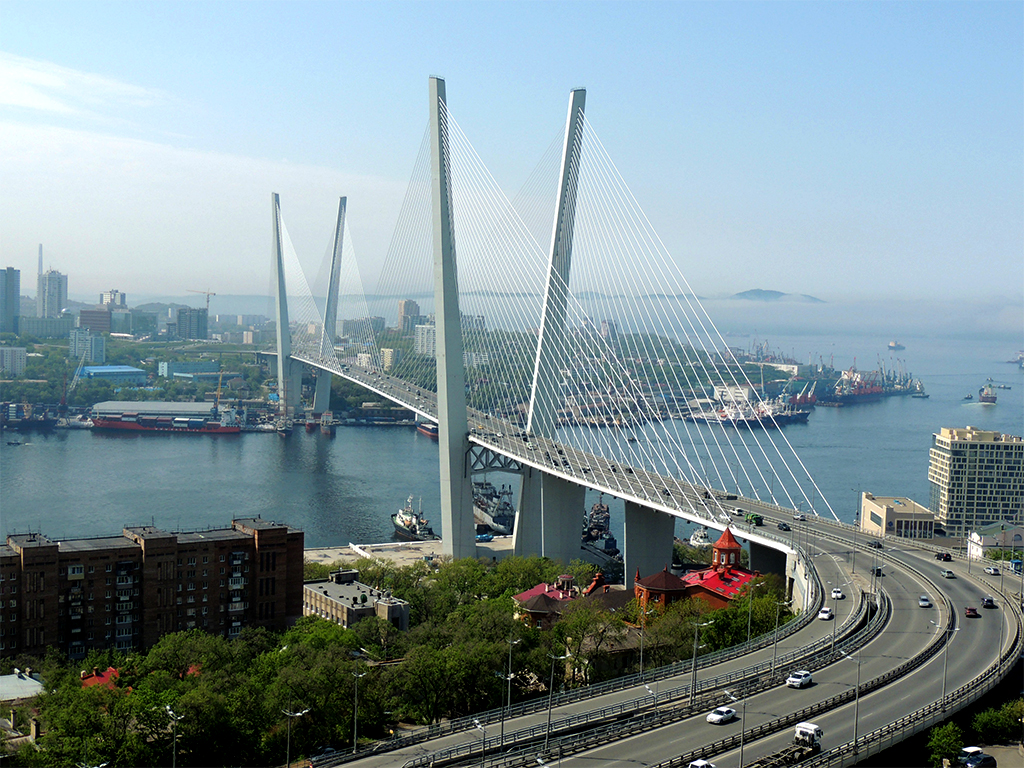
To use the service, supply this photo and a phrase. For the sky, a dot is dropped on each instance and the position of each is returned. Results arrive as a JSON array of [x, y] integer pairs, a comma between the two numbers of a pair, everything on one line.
[[870, 151]]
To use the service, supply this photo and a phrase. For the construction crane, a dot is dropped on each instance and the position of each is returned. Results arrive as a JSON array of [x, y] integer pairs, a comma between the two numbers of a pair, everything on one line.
[[208, 295]]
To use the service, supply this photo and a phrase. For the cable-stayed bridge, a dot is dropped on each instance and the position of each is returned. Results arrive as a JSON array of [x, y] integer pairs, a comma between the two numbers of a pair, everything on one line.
[[553, 336]]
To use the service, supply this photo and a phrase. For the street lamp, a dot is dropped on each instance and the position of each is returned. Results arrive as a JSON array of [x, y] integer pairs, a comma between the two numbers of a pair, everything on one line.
[[551, 691], [174, 728], [653, 693], [483, 741], [945, 657], [511, 643], [743, 722], [775, 643], [355, 713], [856, 704], [750, 605], [288, 749], [856, 527], [644, 613], [693, 671], [835, 615]]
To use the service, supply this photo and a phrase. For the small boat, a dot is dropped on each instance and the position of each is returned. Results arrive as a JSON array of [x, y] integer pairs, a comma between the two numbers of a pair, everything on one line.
[[968, 396], [411, 525], [13, 442], [284, 427], [699, 538], [921, 395]]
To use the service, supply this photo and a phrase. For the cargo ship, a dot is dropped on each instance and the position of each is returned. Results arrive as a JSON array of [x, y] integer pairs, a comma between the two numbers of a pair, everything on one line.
[[987, 394], [493, 511], [895, 346], [427, 428], [411, 526], [134, 422]]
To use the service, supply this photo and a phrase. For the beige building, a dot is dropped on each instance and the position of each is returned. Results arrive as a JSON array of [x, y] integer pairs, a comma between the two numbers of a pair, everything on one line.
[[998, 536], [976, 477], [343, 600], [895, 516]]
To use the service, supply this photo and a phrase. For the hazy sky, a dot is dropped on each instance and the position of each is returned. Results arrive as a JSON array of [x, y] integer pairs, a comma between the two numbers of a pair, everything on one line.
[[834, 149]]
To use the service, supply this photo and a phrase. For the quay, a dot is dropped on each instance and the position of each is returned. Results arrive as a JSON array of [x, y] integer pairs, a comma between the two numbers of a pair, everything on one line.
[[403, 552]]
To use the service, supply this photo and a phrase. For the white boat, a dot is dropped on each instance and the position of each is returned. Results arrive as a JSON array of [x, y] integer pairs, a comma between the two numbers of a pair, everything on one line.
[[699, 538]]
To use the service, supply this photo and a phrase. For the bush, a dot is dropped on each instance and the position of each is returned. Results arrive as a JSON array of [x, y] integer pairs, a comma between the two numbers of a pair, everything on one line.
[[945, 741]]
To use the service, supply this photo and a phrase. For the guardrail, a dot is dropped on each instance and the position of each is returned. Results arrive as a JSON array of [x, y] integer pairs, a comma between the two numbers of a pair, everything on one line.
[[927, 716], [635, 715]]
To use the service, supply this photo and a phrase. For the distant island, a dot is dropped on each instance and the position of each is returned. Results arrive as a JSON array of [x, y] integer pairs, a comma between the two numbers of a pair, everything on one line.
[[759, 294]]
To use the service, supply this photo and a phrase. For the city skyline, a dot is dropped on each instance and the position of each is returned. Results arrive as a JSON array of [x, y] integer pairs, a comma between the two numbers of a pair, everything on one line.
[[768, 143]]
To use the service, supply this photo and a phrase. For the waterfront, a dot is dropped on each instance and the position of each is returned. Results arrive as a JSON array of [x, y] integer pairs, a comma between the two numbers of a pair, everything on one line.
[[344, 489]]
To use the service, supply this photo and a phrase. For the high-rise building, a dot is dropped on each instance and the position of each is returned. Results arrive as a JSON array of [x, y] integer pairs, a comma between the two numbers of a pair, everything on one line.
[[84, 342], [13, 360], [976, 477], [96, 320], [52, 294], [426, 340], [114, 298], [192, 323], [408, 315], [10, 299], [389, 358]]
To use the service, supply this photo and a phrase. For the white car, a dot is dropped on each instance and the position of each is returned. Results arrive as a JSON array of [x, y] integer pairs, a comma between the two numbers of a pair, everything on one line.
[[992, 570], [799, 679], [924, 602], [825, 614], [837, 594], [700, 764], [800, 516], [721, 715]]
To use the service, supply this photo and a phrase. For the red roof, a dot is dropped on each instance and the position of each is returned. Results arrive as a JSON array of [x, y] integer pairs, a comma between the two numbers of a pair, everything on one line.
[[663, 581], [548, 590], [727, 540], [100, 678], [728, 582]]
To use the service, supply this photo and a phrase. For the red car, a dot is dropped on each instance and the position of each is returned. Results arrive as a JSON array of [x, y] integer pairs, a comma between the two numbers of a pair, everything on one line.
[[971, 613]]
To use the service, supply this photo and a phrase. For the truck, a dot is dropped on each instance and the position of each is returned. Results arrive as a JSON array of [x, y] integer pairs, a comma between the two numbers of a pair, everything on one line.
[[754, 519], [806, 743]]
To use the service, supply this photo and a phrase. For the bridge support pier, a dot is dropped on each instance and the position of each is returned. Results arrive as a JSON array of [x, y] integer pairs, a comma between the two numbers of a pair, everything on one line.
[[322, 394], [549, 518], [766, 560], [289, 373], [648, 541]]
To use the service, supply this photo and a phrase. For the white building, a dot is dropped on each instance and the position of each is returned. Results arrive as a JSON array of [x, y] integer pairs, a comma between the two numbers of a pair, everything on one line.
[[976, 477], [13, 360], [426, 340], [895, 516], [997, 536], [51, 294]]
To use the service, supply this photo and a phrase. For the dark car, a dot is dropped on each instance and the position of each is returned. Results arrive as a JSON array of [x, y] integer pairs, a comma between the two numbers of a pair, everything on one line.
[[944, 556], [875, 544], [988, 602], [784, 527], [981, 761]]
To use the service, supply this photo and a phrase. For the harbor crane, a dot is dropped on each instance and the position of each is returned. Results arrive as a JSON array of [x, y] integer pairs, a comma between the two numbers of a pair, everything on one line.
[[208, 295]]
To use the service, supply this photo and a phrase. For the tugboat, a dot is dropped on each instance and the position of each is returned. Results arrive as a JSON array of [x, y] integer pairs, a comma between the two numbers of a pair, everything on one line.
[[411, 526]]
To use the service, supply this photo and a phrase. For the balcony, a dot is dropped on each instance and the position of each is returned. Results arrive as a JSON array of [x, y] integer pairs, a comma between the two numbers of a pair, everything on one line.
[[236, 583], [236, 607]]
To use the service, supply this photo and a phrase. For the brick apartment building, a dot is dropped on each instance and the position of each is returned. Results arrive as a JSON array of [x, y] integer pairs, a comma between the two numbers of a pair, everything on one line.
[[128, 591]]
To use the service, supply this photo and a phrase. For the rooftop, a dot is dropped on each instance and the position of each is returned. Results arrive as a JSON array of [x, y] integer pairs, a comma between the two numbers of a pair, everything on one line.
[[20, 686]]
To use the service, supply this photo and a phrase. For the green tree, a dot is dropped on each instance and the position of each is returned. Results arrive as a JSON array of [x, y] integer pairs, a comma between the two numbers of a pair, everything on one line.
[[945, 742]]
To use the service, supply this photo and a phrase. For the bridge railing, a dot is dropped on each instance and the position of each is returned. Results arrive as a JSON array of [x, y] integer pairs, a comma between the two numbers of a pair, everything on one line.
[[635, 714]]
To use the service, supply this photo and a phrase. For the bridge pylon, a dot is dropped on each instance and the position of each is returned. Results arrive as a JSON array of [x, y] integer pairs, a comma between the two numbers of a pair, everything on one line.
[[322, 393], [289, 372], [459, 539]]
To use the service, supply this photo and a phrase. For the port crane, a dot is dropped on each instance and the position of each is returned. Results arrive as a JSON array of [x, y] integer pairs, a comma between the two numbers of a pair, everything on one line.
[[208, 295]]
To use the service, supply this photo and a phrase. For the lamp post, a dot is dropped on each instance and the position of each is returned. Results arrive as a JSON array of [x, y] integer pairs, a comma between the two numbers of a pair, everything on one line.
[[653, 693], [508, 679], [743, 722], [551, 691], [355, 713], [174, 729], [288, 749], [856, 701], [835, 615], [945, 657], [775, 643], [693, 671], [750, 605], [483, 741], [856, 527], [644, 613]]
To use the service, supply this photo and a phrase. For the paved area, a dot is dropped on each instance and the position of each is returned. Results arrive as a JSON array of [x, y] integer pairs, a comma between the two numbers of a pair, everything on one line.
[[403, 552]]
